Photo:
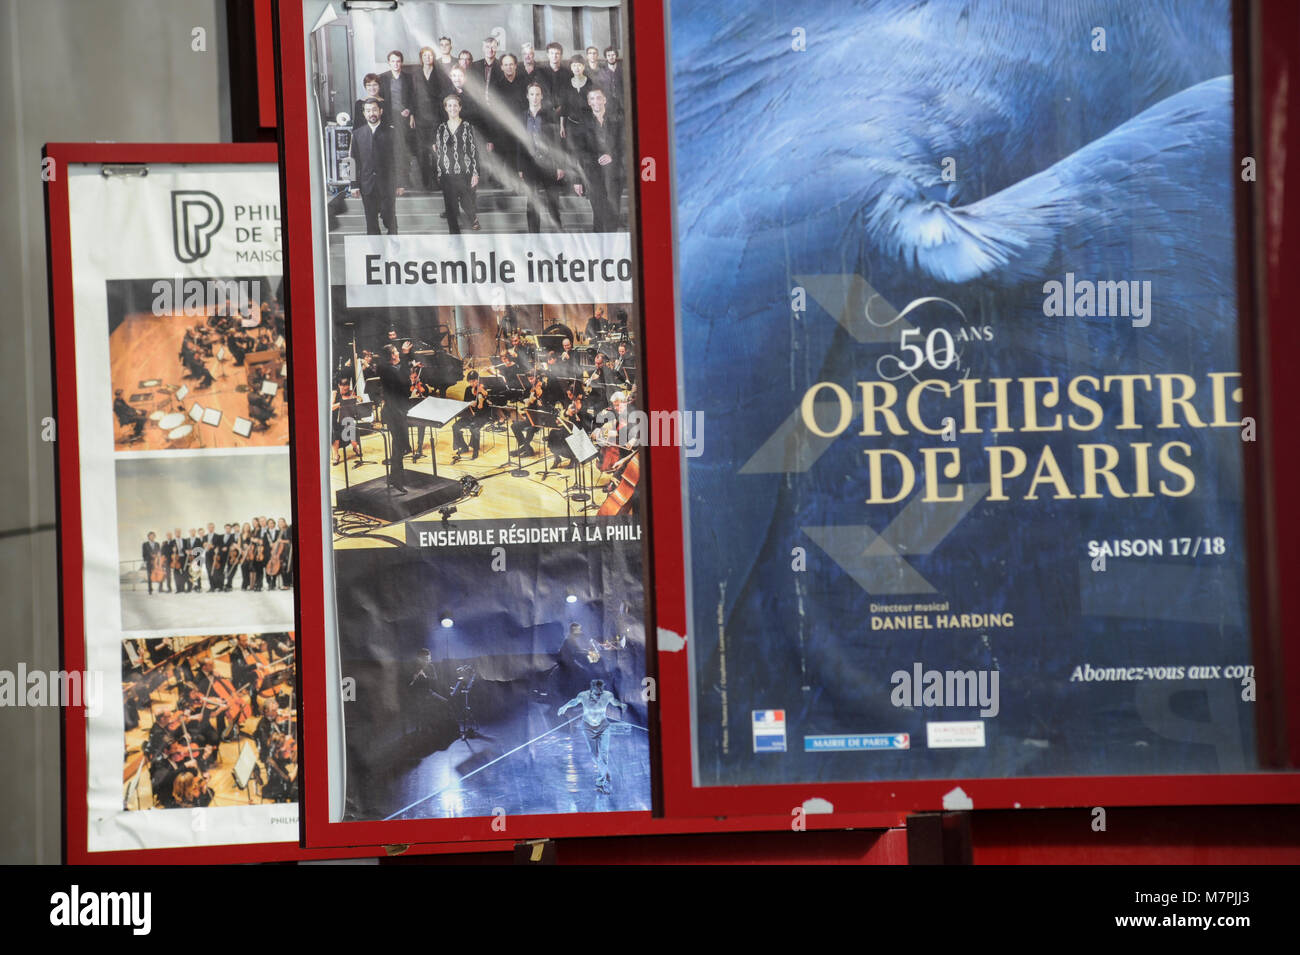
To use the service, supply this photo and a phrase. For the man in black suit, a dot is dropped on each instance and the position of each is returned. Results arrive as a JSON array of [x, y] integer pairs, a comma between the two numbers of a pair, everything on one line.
[[183, 572], [485, 74], [557, 75], [613, 80], [168, 548], [598, 147], [148, 551], [539, 161], [529, 68], [372, 158], [397, 390], [397, 90], [178, 573], [210, 541]]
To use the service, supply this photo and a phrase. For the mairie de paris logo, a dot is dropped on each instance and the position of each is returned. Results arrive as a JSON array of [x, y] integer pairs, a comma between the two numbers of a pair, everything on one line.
[[196, 217]]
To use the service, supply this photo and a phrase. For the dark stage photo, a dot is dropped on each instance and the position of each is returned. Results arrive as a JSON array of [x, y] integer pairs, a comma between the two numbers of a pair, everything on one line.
[[479, 691]]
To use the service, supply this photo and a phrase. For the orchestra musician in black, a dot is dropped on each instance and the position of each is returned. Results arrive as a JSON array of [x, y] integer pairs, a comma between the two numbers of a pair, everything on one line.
[[472, 420], [126, 415], [540, 162], [576, 415], [396, 389], [421, 388], [150, 552], [342, 407], [533, 401], [624, 365]]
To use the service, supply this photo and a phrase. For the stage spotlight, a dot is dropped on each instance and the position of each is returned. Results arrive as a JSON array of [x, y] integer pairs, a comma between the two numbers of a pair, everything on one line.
[[447, 622], [571, 598]]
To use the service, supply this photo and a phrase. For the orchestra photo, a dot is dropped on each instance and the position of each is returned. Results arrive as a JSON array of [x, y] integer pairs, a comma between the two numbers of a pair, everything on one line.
[[223, 557], [522, 412], [209, 721], [198, 364], [492, 127]]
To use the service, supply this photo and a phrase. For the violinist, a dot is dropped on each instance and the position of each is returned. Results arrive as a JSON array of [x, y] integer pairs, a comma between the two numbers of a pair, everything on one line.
[[420, 389], [286, 557], [576, 415], [234, 555], [246, 549], [473, 419], [163, 773], [271, 725], [166, 730], [505, 365], [277, 747], [624, 365], [533, 402], [245, 668], [190, 790], [519, 354], [343, 396], [255, 554], [597, 383]]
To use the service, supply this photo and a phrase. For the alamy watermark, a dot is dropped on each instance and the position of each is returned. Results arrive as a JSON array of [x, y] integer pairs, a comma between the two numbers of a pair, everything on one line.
[[922, 687], [25, 687], [1085, 298]]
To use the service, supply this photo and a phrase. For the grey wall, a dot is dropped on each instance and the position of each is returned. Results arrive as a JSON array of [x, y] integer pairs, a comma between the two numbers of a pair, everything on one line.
[[76, 71]]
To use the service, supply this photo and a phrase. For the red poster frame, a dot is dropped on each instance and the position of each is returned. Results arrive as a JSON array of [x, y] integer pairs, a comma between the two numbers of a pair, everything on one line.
[[685, 807], [298, 236], [1274, 28], [68, 511]]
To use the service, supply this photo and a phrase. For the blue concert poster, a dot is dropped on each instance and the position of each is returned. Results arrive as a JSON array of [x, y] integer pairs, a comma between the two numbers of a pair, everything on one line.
[[958, 302]]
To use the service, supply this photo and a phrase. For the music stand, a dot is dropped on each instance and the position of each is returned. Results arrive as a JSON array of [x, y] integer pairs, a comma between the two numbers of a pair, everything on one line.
[[583, 452], [221, 361], [245, 768], [435, 412], [545, 422]]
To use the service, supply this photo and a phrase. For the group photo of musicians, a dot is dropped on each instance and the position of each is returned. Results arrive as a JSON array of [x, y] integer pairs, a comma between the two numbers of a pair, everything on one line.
[[544, 397], [254, 555], [510, 121], [209, 721], [204, 540], [204, 371]]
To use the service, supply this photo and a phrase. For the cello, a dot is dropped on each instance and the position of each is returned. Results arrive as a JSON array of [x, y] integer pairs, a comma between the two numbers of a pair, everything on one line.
[[157, 571], [619, 500], [273, 565]]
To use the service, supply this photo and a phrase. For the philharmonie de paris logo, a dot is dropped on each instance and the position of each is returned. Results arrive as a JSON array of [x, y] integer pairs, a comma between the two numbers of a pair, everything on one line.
[[196, 217]]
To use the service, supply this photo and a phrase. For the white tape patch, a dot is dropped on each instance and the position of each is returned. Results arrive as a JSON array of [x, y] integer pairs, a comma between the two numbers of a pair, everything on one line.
[[817, 807], [670, 641], [957, 799]]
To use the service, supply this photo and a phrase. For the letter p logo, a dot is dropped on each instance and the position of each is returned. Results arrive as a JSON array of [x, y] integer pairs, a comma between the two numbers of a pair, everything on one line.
[[196, 217]]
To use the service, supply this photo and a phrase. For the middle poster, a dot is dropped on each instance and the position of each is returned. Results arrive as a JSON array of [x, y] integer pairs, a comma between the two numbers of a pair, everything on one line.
[[484, 467]]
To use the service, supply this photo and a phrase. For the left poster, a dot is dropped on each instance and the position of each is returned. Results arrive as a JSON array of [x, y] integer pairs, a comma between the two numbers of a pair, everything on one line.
[[187, 549]]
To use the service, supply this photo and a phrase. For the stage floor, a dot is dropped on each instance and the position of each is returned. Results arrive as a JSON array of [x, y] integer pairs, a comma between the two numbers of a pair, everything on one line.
[[235, 612], [146, 347], [542, 493], [536, 763]]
